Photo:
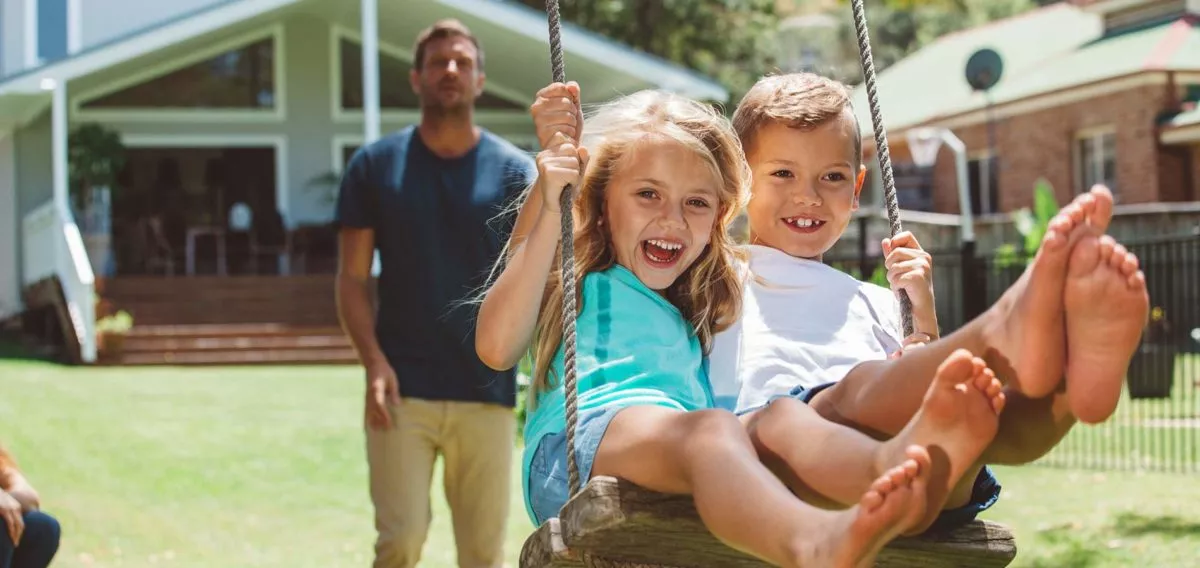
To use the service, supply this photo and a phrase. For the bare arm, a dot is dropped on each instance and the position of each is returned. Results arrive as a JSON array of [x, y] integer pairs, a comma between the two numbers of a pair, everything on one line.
[[510, 309], [15, 484], [356, 252]]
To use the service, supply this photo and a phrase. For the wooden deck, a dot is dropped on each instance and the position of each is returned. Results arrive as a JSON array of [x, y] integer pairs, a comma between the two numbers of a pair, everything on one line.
[[213, 320]]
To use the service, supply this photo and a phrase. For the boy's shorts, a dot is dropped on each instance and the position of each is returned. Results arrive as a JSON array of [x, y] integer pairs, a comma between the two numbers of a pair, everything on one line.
[[984, 494], [548, 488]]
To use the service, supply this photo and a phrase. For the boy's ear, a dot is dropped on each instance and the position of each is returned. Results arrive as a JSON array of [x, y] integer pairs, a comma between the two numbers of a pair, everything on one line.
[[858, 183]]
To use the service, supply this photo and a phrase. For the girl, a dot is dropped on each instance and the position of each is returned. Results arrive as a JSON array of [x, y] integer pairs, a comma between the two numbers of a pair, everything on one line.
[[656, 281]]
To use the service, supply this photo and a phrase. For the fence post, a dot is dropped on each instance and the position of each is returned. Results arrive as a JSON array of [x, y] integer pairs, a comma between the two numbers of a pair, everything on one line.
[[974, 288]]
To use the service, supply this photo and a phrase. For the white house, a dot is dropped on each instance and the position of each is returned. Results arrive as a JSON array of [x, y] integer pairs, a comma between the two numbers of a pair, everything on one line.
[[221, 102]]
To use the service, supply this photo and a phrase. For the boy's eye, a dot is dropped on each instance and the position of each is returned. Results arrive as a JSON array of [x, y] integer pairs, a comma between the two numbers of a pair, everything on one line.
[[782, 173], [836, 176], [647, 193]]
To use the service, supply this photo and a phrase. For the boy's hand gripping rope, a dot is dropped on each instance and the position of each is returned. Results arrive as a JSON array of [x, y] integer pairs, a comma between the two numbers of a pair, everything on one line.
[[885, 158], [568, 266]]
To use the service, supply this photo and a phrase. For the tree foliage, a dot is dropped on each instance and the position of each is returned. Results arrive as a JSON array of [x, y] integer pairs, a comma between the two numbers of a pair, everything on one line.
[[731, 41], [736, 41]]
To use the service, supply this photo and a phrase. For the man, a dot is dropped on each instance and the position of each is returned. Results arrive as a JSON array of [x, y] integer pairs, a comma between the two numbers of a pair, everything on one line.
[[428, 198]]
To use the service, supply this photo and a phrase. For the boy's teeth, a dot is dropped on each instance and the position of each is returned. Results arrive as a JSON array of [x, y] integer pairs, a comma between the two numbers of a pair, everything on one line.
[[803, 222]]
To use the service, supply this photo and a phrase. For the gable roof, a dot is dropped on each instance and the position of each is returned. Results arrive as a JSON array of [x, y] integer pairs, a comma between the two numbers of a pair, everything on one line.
[[1045, 50]]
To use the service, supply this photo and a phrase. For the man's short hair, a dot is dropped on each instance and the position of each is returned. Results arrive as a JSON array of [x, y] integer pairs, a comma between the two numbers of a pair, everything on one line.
[[796, 100], [443, 29]]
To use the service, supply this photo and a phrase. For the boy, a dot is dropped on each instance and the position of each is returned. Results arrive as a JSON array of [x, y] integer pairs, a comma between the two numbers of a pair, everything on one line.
[[810, 334]]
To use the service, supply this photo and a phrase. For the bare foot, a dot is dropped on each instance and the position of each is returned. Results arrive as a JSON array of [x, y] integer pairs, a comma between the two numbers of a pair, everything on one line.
[[1106, 307], [957, 420], [857, 534], [1026, 332], [1101, 213]]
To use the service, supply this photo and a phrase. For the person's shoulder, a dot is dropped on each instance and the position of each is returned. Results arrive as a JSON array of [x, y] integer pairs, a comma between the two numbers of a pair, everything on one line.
[[511, 153], [392, 144]]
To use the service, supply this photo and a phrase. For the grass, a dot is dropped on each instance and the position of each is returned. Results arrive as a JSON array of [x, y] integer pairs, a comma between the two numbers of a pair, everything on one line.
[[266, 467]]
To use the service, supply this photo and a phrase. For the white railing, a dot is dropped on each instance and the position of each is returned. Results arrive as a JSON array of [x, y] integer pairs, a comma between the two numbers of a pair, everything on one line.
[[53, 247]]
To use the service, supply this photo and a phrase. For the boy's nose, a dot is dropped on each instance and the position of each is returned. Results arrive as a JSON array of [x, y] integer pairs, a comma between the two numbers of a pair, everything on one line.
[[805, 194]]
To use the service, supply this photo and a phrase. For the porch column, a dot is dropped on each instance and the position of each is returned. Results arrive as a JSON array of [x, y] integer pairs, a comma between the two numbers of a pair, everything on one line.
[[58, 132], [370, 62]]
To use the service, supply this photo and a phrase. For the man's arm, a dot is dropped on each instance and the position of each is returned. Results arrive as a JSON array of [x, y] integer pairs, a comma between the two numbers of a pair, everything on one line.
[[358, 217], [356, 251]]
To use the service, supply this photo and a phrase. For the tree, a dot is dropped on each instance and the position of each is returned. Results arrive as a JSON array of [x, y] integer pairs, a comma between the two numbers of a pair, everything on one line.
[[732, 41], [900, 27]]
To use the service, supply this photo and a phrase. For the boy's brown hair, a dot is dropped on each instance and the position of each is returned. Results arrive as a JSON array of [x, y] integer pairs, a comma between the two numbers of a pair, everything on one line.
[[443, 29], [797, 100]]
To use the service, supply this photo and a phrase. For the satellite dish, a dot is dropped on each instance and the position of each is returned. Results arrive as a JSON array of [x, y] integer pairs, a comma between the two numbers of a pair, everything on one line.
[[984, 69]]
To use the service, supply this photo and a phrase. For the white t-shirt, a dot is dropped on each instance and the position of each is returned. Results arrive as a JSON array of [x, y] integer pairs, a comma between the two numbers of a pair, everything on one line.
[[803, 323]]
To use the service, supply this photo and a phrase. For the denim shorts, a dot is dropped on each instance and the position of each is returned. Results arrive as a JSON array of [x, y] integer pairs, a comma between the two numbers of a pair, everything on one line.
[[984, 494], [800, 393], [548, 489]]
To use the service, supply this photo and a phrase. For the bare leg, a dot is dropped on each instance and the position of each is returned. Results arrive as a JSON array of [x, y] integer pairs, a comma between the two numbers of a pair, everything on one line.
[[1022, 338], [709, 455], [1106, 306], [956, 421]]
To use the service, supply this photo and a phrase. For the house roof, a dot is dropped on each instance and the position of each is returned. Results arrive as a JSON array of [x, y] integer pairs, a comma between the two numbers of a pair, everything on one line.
[[1045, 50], [516, 18]]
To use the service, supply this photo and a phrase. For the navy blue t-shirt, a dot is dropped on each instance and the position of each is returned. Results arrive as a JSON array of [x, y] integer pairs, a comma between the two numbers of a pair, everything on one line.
[[439, 230]]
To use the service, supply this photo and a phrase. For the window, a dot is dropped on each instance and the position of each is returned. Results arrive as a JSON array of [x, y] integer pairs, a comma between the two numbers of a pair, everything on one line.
[[51, 30], [914, 186], [1096, 159], [395, 92], [242, 78], [984, 180]]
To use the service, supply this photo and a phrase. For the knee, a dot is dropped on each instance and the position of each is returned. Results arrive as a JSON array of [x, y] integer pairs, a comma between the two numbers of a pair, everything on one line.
[[399, 548], [773, 424], [41, 536], [718, 430]]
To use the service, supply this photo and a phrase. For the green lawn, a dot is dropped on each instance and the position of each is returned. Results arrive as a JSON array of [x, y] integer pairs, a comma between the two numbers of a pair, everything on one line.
[[266, 467]]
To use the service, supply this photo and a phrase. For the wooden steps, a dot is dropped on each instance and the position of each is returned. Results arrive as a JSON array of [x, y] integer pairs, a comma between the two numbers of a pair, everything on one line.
[[235, 344], [230, 320]]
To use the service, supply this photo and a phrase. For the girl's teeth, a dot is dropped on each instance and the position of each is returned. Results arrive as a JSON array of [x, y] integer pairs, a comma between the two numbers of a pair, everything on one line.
[[665, 245]]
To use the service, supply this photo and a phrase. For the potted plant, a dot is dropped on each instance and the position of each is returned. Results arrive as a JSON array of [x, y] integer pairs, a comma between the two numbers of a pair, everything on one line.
[[1152, 368], [110, 335], [95, 157]]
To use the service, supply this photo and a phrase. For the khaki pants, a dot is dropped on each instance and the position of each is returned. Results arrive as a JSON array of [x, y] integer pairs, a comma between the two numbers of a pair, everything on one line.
[[476, 442]]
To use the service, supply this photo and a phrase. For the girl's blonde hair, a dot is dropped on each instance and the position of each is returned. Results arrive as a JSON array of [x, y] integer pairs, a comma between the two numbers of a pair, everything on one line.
[[708, 293]]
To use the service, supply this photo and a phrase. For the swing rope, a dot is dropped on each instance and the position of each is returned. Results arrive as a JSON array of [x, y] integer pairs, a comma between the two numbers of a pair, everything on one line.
[[885, 158], [567, 199], [568, 267]]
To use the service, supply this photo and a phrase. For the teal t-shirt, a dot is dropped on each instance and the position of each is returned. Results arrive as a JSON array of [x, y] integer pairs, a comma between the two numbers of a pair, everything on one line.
[[633, 347]]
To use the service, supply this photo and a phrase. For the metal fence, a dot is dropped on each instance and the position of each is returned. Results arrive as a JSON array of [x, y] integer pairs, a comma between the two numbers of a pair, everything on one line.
[[1157, 424]]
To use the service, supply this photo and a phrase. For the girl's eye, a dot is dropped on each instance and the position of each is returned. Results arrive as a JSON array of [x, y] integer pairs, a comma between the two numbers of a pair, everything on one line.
[[698, 203], [782, 173], [836, 176], [647, 193]]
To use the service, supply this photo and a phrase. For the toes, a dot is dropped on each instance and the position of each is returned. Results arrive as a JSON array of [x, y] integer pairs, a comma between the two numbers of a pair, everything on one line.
[[1107, 244], [998, 402], [994, 388], [1130, 264], [920, 456], [871, 500], [1137, 281]]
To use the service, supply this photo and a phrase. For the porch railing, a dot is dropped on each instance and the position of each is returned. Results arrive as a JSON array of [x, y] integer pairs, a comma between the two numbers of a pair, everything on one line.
[[53, 248]]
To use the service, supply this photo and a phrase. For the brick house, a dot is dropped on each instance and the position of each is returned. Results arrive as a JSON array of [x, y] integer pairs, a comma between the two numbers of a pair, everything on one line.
[[1092, 91]]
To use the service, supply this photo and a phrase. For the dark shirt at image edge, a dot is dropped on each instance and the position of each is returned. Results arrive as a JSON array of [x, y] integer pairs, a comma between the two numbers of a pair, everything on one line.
[[440, 224]]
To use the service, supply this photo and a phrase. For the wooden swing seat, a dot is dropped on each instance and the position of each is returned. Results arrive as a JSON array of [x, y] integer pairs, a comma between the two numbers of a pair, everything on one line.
[[611, 522]]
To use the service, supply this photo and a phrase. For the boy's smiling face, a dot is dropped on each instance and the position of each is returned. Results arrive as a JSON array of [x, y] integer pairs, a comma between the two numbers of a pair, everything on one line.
[[805, 185]]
